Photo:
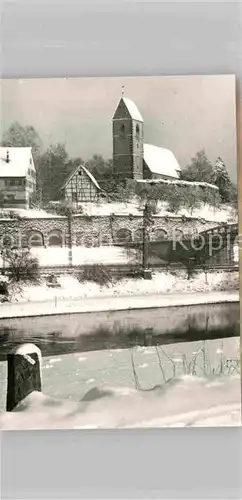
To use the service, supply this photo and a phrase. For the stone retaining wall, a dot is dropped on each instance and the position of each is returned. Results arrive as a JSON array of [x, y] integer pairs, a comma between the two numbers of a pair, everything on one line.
[[95, 230]]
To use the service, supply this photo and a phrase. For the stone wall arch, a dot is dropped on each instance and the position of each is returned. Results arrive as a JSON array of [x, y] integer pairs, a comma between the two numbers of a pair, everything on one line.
[[123, 235], [36, 239], [55, 238], [159, 235]]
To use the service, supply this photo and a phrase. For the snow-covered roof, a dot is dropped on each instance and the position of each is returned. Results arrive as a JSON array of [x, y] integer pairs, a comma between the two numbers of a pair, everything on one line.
[[19, 161], [91, 177], [132, 109], [161, 161], [179, 182]]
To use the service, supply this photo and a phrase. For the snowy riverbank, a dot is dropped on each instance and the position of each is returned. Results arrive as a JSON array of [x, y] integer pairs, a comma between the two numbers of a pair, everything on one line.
[[164, 290], [176, 385], [97, 304]]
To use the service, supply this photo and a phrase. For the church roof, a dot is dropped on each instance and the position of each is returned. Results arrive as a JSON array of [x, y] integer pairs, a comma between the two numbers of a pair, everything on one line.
[[19, 161], [132, 109], [91, 177], [161, 161]]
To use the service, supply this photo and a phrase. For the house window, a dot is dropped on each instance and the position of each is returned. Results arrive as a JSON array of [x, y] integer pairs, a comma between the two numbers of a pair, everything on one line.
[[14, 182], [9, 197], [74, 196], [137, 131]]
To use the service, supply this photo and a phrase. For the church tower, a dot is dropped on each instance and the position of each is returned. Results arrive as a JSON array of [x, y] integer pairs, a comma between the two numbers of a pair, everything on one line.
[[128, 141]]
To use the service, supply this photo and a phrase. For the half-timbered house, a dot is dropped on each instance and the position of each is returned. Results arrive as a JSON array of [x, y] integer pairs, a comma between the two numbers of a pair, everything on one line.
[[81, 186]]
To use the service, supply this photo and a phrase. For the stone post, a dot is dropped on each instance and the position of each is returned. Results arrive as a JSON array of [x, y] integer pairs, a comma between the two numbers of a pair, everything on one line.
[[24, 374]]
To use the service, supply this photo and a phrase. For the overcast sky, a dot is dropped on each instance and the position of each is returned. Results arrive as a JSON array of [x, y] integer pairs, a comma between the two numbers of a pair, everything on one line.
[[184, 114]]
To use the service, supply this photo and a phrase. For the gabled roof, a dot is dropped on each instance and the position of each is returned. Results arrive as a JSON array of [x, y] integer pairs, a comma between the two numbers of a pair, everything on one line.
[[81, 167], [161, 161], [19, 161], [132, 109]]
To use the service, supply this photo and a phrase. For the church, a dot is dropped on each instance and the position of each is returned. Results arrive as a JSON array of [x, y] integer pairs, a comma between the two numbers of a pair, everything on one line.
[[132, 157]]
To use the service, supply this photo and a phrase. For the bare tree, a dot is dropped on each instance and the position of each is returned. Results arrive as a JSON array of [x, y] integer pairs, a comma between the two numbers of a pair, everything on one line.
[[20, 265]]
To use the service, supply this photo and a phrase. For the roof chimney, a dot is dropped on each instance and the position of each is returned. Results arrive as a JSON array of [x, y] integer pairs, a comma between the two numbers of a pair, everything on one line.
[[7, 157]]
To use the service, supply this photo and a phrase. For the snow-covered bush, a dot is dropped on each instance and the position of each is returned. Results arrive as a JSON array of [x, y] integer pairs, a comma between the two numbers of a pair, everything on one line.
[[230, 281], [61, 207]]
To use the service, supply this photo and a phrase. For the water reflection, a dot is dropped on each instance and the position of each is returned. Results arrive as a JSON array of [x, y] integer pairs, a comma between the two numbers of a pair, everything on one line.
[[65, 334]]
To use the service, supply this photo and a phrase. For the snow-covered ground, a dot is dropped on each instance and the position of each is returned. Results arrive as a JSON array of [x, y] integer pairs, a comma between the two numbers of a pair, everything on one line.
[[124, 408], [54, 256], [189, 384], [57, 306], [164, 290], [28, 214], [106, 255], [207, 212], [222, 214], [161, 283]]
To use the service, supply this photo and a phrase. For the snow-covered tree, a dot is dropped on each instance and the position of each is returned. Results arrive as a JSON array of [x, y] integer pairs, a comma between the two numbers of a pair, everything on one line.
[[200, 169], [223, 181]]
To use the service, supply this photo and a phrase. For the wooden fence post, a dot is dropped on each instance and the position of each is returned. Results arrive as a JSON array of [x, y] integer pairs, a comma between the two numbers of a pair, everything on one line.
[[24, 374]]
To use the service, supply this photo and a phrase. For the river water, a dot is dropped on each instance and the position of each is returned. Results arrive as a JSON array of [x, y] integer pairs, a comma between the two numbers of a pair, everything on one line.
[[65, 334], [83, 350]]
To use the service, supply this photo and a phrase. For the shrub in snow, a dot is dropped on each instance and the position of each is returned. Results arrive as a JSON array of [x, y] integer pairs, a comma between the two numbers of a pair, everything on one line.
[[4, 289], [10, 214], [21, 265], [97, 274], [52, 282], [228, 282], [61, 207]]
